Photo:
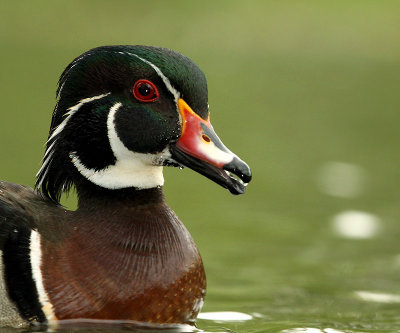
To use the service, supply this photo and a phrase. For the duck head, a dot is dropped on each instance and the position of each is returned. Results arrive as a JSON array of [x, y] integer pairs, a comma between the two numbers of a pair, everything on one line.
[[124, 112]]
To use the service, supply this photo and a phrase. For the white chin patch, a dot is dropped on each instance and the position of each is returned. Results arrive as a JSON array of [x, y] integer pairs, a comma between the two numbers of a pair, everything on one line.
[[130, 169]]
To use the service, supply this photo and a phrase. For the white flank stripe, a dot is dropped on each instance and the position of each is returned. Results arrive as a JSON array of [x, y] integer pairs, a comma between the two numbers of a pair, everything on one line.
[[36, 261], [130, 169]]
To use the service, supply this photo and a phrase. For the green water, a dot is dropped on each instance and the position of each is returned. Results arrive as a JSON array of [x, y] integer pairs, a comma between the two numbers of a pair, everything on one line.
[[295, 87]]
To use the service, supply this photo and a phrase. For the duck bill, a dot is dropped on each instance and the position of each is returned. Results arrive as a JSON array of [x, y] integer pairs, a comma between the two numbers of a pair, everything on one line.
[[200, 149]]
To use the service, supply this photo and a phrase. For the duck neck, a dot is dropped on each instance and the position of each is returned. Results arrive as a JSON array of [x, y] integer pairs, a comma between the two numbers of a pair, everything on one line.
[[91, 196]]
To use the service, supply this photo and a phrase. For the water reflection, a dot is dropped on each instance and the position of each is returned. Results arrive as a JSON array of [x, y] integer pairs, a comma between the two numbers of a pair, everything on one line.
[[371, 296], [225, 316], [116, 326], [311, 330], [341, 179], [356, 224], [108, 326]]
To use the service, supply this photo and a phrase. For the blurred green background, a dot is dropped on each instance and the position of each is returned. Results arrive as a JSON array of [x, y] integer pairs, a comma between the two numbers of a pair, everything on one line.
[[306, 92]]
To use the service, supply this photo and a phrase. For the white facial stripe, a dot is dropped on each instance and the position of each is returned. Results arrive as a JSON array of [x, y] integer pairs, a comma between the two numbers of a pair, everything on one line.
[[166, 81], [36, 262], [130, 169], [50, 151], [71, 112], [46, 160]]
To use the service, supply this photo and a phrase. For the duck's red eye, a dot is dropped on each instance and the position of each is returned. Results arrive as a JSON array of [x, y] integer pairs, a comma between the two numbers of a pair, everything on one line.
[[145, 91]]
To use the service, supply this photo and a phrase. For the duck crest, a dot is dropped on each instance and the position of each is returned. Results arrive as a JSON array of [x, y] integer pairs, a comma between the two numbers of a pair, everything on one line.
[[122, 114]]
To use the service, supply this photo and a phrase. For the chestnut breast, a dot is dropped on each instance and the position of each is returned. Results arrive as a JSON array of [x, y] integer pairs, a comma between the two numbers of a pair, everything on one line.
[[126, 262]]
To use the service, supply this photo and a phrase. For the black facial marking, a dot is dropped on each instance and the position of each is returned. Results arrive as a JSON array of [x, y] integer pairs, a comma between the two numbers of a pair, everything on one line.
[[86, 134], [21, 287], [144, 130]]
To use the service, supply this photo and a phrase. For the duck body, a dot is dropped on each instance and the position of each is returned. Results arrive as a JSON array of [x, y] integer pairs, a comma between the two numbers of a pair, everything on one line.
[[122, 114], [127, 254]]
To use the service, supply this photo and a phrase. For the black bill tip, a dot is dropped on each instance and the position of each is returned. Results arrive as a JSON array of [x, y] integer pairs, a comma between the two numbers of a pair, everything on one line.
[[233, 176], [239, 174], [240, 169]]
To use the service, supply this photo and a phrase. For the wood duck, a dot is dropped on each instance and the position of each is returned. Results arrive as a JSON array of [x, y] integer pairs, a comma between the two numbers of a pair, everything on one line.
[[122, 113]]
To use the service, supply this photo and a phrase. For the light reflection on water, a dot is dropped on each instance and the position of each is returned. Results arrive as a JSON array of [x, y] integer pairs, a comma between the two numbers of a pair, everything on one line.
[[356, 224], [311, 330], [220, 322], [341, 179], [92, 326], [225, 316], [377, 297]]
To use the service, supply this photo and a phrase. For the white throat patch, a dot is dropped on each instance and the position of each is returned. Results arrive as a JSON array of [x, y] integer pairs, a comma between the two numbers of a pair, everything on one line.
[[130, 169]]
